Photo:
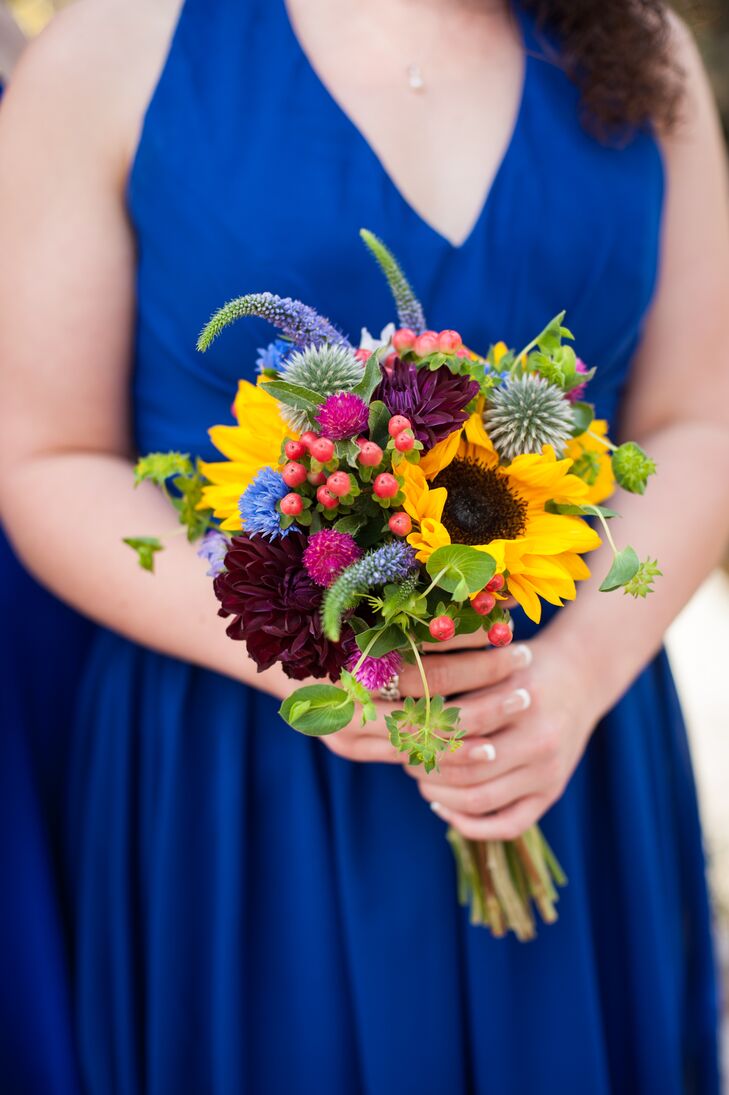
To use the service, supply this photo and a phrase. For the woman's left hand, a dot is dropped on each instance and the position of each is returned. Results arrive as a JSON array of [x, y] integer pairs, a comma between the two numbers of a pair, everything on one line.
[[513, 766]]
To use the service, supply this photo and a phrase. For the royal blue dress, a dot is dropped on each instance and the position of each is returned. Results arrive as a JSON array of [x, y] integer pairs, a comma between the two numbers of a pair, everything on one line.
[[252, 913]]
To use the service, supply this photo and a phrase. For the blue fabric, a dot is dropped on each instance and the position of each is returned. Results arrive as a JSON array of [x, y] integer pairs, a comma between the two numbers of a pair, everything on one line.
[[252, 913], [43, 651]]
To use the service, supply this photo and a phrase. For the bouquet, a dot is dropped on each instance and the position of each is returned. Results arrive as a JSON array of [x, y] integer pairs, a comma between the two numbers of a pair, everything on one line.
[[402, 492]]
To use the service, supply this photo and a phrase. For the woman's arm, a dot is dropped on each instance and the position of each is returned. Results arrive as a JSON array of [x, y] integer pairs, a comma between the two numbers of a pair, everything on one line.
[[678, 408]]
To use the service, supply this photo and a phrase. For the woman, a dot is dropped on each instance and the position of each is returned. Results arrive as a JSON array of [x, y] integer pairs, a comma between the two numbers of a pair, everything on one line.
[[253, 910]]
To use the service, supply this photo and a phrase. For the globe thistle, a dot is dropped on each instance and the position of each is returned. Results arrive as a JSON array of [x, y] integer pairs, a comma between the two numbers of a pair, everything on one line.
[[276, 608], [328, 553], [434, 401], [342, 415], [524, 414], [258, 505], [213, 549], [297, 321], [375, 673], [389, 563], [323, 369]]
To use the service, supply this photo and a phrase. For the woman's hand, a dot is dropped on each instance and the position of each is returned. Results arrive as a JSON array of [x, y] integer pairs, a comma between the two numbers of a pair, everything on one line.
[[525, 738], [461, 666]]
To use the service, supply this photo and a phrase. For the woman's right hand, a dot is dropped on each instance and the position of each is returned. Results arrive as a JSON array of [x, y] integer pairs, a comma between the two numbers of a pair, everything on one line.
[[452, 668]]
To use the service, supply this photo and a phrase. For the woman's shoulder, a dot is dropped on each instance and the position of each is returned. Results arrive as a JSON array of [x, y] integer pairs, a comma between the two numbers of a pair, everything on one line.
[[86, 79]]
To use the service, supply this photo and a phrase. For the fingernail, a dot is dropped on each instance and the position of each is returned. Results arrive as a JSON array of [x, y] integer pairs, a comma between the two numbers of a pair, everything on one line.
[[517, 701], [484, 752], [522, 656], [437, 808]]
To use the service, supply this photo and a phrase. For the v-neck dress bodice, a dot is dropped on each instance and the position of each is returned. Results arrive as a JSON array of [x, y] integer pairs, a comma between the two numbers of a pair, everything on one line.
[[253, 913]]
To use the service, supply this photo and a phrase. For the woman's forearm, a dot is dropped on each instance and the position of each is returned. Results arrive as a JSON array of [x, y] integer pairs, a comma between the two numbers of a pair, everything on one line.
[[683, 520], [67, 515]]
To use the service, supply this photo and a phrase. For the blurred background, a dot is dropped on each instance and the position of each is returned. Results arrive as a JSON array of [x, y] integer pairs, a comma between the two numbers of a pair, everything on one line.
[[698, 642]]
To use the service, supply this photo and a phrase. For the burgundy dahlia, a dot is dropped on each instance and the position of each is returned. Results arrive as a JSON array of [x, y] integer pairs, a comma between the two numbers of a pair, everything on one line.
[[276, 607], [434, 401], [328, 553], [342, 415]]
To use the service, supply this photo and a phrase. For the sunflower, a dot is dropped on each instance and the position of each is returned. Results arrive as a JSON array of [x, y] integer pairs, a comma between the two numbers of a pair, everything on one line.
[[592, 461], [459, 493], [251, 445]]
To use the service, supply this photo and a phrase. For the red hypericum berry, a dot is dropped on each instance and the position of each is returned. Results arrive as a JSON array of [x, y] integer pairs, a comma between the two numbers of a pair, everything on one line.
[[325, 498], [362, 441], [295, 449], [339, 484], [463, 352], [385, 485], [449, 342], [496, 584], [500, 635], [397, 424], [363, 355], [370, 455], [483, 603], [307, 438], [425, 344], [294, 474], [404, 339], [322, 449], [317, 478], [442, 628], [405, 441], [390, 360], [292, 505], [400, 524]]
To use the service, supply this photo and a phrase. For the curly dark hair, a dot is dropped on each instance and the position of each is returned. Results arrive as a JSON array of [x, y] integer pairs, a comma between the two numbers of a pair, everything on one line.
[[619, 54]]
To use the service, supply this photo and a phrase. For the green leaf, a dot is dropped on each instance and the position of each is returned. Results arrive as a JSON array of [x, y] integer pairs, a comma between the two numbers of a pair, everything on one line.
[[359, 695], [378, 420], [158, 467], [371, 377], [294, 395], [351, 524], [584, 414], [625, 566], [585, 510], [632, 467], [466, 569], [550, 339], [145, 547], [641, 584], [386, 639], [318, 709]]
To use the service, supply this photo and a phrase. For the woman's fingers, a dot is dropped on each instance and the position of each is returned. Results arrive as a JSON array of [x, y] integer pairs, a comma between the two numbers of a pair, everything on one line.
[[477, 640], [482, 798], [365, 747], [468, 671], [507, 824], [479, 760]]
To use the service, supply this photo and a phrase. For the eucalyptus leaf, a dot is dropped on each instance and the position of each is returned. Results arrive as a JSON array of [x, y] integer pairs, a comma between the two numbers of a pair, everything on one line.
[[625, 566], [317, 710], [466, 569]]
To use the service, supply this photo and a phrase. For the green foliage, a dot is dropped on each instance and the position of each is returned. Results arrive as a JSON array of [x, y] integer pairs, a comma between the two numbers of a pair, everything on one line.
[[379, 417], [378, 641], [625, 566], [318, 709], [359, 694], [423, 733], [587, 467], [371, 377], [294, 395], [460, 570], [632, 467], [641, 584], [158, 467], [586, 509], [583, 414], [145, 547]]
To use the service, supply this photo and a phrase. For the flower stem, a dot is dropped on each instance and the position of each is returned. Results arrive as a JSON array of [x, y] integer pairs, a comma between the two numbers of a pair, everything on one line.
[[603, 440], [364, 654], [435, 581], [608, 534], [424, 679]]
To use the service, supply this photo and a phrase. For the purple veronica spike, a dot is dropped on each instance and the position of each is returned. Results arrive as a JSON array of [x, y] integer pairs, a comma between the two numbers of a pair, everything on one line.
[[295, 320]]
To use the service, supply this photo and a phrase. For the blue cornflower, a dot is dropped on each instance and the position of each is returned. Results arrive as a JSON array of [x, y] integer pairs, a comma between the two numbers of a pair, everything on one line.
[[213, 549], [257, 505], [271, 357]]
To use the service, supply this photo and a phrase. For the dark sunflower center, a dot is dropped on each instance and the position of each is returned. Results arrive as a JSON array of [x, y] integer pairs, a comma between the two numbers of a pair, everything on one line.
[[480, 505]]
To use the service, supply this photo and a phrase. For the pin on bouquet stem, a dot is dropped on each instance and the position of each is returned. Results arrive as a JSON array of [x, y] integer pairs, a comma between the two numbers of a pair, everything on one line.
[[396, 495]]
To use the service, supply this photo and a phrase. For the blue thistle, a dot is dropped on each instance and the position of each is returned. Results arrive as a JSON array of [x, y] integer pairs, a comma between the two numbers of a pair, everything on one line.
[[298, 322], [409, 309], [389, 563], [258, 505]]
